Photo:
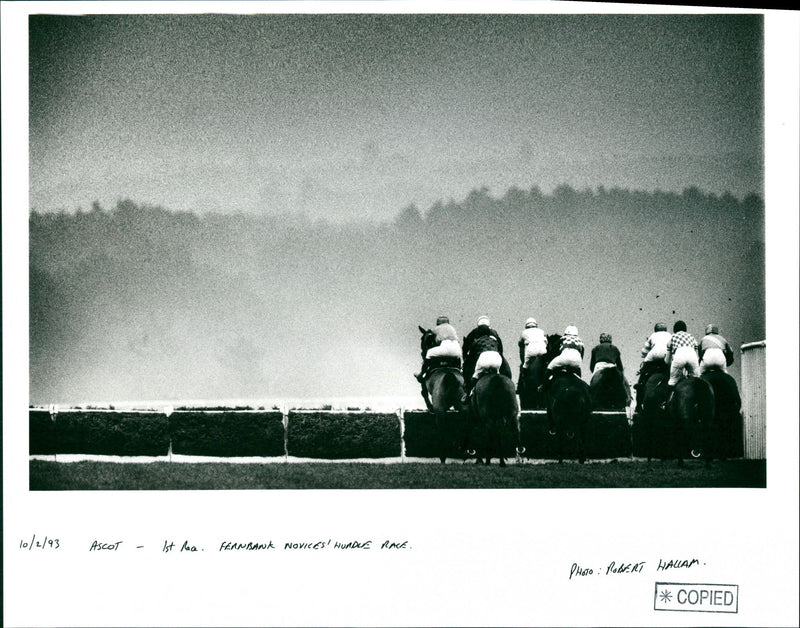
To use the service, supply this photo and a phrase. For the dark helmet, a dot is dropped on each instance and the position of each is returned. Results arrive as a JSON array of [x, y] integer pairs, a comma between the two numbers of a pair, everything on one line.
[[679, 326], [605, 337], [442, 320], [660, 327]]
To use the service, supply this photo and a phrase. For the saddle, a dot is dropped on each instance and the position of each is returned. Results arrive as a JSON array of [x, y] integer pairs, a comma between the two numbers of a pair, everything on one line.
[[561, 371], [440, 362], [565, 370]]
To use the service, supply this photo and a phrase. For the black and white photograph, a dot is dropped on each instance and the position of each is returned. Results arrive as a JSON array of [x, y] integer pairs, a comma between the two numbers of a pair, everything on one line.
[[395, 314]]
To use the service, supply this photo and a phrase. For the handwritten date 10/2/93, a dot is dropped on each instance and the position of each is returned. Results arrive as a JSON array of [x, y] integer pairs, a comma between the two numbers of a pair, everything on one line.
[[38, 543]]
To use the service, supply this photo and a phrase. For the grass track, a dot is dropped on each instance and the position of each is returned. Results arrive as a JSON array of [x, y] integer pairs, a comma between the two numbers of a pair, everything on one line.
[[47, 475]]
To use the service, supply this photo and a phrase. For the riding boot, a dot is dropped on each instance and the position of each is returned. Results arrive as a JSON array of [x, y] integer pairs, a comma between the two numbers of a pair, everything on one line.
[[522, 374]]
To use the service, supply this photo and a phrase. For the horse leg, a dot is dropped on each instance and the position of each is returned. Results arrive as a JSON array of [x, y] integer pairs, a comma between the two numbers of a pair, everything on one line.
[[440, 420], [581, 447]]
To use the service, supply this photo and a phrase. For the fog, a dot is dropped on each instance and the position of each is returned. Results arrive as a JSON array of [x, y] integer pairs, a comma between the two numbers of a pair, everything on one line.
[[135, 302]]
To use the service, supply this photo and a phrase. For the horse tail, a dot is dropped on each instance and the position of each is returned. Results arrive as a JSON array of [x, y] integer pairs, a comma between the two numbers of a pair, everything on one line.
[[499, 396], [454, 386], [706, 401]]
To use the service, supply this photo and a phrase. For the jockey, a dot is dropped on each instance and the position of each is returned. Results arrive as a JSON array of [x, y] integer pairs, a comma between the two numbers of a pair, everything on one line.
[[605, 355], [532, 343], [681, 354], [655, 348], [446, 346], [483, 350], [654, 354], [714, 350], [571, 353]]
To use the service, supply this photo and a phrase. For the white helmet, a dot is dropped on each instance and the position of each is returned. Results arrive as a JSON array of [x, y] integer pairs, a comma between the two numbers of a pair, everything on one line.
[[571, 331], [531, 322], [483, 320]]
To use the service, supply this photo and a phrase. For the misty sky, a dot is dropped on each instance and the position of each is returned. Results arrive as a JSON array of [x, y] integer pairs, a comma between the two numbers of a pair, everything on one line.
[[349, 116], [344, 117]]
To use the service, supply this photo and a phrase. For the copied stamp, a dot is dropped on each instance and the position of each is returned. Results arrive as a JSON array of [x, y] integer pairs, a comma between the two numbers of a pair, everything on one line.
[[698, 598]]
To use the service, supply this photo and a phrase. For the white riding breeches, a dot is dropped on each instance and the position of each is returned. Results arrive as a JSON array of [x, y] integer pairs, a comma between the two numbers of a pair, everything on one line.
[[684, 358], [448, 348], [487, 360], [603, 365], [533, 350], [713, 357], [568, 357], [658, 352]]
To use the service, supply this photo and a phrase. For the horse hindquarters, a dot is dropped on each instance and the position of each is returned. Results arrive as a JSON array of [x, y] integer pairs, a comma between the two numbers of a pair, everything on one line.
[[654, 421], [570, 410], [727, 409], [446, 389], [692, 411], [609, 390], [496, 411], [529, 396]]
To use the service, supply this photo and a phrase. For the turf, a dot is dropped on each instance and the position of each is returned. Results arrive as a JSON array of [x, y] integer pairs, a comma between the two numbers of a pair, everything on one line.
[[49, 475]]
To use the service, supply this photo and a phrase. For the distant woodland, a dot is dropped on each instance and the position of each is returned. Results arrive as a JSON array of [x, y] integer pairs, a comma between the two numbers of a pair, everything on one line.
[[142, 302]]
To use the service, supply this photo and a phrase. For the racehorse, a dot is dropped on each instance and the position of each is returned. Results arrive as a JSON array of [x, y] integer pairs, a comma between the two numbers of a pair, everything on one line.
[[495, 413], [692, 412], [610, 389], [445, 385], [653, 416], [569, 408], [532, 378], [727, 411]]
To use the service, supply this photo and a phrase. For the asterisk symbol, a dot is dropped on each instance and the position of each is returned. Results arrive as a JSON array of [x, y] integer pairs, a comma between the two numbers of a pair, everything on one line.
[[666, 596]]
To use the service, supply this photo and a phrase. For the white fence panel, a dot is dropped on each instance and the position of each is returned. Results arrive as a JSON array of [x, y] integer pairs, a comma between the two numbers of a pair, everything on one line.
[[754, 400]]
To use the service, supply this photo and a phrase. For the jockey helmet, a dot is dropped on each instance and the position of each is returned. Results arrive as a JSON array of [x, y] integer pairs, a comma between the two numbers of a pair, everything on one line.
[[660, 327], [531, 322], [483, 320], [679, 326], [712, 329], [571, 331], [442, 320], [605, 337]]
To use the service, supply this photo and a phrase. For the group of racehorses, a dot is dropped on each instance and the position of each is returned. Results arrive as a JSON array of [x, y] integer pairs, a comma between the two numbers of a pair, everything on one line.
[[698, 416]]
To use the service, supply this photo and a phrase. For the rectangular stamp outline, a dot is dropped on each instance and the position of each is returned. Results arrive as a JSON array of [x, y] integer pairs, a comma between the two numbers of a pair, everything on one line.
[[693, 610]]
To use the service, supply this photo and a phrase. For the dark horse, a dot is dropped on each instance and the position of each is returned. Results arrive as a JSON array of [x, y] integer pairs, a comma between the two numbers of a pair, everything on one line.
[[692, 412], [727, 412], [445, 385], [569, 408], [652, 416], [495, 413], [610, 389], [530, 397]]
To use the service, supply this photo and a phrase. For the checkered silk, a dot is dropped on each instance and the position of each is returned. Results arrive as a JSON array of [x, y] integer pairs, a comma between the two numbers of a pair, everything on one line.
[[681, 339]]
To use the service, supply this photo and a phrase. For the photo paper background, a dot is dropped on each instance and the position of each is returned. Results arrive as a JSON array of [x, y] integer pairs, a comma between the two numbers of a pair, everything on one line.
[[477, 557]]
